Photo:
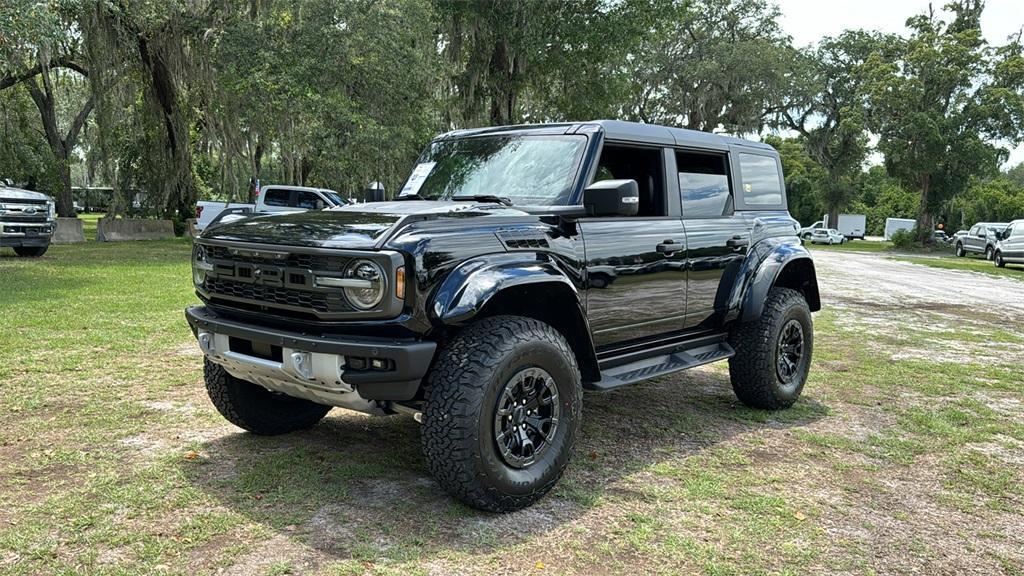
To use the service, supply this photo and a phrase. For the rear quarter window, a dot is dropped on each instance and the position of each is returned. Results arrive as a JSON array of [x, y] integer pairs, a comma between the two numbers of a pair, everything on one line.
[[761, 183], [276, 197]]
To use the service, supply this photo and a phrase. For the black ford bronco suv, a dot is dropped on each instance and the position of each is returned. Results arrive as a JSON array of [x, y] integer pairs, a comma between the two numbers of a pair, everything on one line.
[[517, 267]]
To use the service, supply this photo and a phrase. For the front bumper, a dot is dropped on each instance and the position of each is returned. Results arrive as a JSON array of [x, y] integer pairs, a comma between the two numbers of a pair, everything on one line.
[[318, 368], [30, 234]]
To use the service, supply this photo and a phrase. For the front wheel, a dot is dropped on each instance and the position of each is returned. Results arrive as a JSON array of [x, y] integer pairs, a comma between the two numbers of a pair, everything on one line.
[[999, 260], [501, 413], [959, 250], [773, 353], [30, 251], [988, 253]]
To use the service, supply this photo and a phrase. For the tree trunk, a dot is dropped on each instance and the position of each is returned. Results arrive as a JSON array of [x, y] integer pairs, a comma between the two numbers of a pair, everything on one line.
[[180, 184], [924, 216], [60, 146]]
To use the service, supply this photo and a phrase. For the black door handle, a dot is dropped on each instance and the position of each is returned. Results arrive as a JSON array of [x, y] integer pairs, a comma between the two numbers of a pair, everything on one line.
[[670, 246], [737, 242]]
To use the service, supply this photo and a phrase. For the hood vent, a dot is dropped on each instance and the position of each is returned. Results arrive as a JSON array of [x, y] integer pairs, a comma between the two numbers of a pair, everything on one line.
[[523, 239]]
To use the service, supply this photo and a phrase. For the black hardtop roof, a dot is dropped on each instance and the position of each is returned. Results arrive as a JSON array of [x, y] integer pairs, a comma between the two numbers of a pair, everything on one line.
[[621, 131]]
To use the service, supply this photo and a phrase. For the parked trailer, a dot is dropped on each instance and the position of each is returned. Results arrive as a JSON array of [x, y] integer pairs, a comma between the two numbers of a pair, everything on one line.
[[893, 225], [849, 225]]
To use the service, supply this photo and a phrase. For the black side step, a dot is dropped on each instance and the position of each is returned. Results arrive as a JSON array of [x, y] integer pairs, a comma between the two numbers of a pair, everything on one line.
[[660, 365]]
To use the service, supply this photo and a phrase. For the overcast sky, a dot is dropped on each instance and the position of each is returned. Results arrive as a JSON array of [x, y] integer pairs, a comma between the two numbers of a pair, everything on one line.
[[808, 20]]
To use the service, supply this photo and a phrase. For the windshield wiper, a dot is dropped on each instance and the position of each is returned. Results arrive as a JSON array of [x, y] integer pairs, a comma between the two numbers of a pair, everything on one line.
[[484, 198], [413, 196]]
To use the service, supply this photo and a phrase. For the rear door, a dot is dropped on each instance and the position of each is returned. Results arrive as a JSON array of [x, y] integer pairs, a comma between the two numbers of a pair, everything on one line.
[[975, 239], [277, 200], [635, 266], [716, 237]]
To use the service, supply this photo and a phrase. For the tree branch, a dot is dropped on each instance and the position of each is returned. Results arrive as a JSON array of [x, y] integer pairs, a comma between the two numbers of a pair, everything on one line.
[[61, 62], [79, 121]]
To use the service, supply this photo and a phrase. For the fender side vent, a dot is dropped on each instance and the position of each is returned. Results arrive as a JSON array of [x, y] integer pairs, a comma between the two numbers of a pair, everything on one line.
[[522, 240]]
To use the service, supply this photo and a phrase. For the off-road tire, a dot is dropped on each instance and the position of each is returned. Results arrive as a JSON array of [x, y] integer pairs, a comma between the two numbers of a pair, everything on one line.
[[30, 251], [988, 253], [753, 369], [960, 250], [461, 402], [1000, 263], [257, 409]]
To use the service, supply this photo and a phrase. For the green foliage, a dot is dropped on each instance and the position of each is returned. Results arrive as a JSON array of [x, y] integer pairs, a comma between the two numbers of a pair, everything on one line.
[[941, 102], [904, 239], [197, 99], [999, 199]]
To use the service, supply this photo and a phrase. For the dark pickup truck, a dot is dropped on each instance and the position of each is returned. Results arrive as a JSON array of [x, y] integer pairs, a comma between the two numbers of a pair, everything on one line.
[[517, 267]]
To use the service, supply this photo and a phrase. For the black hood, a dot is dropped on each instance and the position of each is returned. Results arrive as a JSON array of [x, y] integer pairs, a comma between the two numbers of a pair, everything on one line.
[[358, 226]]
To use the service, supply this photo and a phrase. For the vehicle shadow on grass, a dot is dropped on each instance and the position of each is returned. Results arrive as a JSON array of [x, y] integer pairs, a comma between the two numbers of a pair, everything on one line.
[[357, 486]]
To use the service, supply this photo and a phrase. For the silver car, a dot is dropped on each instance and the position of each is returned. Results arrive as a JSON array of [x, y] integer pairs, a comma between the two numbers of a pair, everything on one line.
[[1010, 247], [980, 239]]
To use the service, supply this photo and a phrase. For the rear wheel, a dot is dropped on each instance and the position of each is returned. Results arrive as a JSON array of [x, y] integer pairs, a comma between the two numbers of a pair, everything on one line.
[[999, 259], [988, 253], [30, 251], [773, 353], [501, 413], [257, 409]]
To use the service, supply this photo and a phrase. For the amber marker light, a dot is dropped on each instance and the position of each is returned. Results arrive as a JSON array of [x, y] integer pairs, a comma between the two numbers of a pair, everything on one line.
[[400, 283]]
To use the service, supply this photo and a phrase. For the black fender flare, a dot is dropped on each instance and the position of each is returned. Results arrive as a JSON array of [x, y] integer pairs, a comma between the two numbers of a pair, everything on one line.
[[475, 282], [553, 297], [773, 262]]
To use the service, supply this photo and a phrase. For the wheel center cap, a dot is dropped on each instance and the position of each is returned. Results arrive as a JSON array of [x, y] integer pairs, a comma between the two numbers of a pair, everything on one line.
[[519, 415]]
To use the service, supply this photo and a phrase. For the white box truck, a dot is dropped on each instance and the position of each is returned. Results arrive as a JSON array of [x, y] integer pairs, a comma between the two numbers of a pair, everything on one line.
[[850, 225], [893, 225]]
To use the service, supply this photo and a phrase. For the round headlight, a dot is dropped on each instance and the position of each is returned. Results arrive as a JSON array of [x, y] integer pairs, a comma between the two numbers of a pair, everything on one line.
[[371, 289]]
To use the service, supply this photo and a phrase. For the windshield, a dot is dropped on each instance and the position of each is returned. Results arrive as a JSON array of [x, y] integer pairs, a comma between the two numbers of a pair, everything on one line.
[[528, 170], [333, 197]]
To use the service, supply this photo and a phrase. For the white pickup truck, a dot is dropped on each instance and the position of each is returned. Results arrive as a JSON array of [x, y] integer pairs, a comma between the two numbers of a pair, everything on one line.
[[270, 199]]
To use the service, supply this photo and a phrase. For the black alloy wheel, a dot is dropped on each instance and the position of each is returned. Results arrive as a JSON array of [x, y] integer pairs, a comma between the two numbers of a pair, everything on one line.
[[790, 351], [526, 418]]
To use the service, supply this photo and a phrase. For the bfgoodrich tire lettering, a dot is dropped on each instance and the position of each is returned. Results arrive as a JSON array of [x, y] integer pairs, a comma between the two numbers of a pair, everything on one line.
[[257, 409], [462, 399], [765, 371]]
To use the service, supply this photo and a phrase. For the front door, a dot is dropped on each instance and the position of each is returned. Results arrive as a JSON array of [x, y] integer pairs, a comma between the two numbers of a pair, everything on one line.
[[635, 266]]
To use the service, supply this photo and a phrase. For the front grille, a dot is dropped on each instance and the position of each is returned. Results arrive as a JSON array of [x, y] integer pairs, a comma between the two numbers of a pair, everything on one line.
[[270, 296], [9, 229], [18, 217], [32, 201], [285, 283]]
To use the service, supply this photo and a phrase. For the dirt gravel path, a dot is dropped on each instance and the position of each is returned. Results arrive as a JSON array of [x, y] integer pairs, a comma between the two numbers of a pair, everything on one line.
[[849, 277]]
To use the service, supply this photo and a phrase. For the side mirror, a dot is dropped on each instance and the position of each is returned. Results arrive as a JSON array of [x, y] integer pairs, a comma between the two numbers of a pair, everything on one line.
[[374, 192], [612, 198]]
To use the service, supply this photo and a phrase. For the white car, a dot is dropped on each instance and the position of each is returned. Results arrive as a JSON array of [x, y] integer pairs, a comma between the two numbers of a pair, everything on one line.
[[827, 236]]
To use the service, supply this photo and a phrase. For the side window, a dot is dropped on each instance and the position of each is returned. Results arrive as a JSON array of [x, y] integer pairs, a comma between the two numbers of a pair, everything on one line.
[[308, 201], [761, 183], [703, 184], [1018, 230], [276, 197], [641, 164]]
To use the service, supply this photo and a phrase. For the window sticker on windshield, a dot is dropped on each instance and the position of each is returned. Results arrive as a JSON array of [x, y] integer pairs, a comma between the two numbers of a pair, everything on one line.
[[416, 179]]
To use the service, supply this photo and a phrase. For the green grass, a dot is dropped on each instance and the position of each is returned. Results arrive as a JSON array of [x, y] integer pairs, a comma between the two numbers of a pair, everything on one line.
[[1014, 271], [113, 461], [89, 223], [853, 246]]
